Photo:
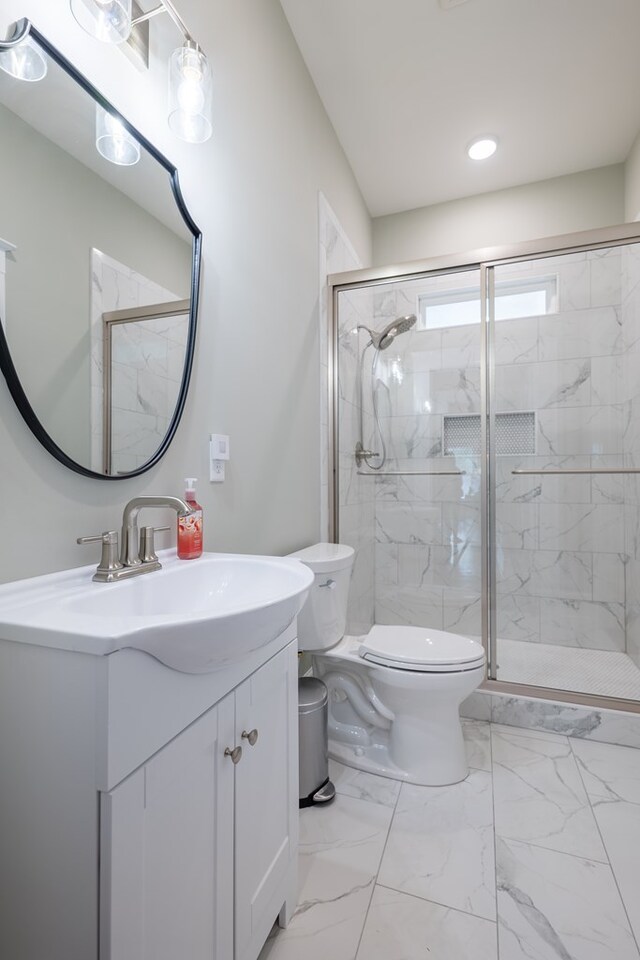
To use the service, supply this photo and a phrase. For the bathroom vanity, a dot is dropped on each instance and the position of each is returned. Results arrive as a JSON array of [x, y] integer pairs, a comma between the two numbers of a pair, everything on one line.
[[146, 813]]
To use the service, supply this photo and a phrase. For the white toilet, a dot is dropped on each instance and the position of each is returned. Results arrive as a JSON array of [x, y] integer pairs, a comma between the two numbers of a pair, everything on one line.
[[395, 693]]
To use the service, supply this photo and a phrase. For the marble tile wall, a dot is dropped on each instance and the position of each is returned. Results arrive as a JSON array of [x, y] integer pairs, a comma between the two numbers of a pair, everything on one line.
[[631, 380], [146, 370], [356, 497], [562, 542], [148, 361], [356, 508], [336, 255], [550, 716]]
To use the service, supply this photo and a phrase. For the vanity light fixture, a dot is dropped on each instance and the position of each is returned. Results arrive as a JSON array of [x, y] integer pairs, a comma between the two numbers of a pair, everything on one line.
[[106, 20], [113, 140], [482, 148], [190, 93], [21, 58], [189, 114]]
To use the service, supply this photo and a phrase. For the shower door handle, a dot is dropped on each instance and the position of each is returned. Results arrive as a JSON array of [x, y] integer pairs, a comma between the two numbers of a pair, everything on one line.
[[412, 473], [577, 471]]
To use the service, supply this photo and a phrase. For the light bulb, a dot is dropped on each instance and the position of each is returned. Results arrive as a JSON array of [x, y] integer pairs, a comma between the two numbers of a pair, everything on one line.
[[113, 140], [190, 96], [190, 93], [482, 148]]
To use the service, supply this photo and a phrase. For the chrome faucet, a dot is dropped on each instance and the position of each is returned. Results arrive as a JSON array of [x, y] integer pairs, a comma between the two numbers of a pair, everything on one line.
[[130, 543], [137, 553]]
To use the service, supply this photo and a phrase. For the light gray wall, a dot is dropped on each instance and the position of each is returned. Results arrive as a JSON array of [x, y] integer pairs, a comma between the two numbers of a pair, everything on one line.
[[632, 183], [253, 191], [55, 210], [580, 201]]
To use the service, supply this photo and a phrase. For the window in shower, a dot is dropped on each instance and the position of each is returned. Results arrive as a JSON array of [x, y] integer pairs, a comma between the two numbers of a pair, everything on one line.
[[514, 299]]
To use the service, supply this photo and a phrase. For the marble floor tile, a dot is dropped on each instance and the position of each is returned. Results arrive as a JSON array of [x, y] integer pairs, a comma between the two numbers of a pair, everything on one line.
[[540, 798], [339, 855], [611, 775], [364, 786], [528, 732], [440, 845], [400, 927], [477, 738], [552, 906]]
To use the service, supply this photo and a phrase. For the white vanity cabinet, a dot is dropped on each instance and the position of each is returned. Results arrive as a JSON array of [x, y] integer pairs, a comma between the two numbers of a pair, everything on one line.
[[198, 852], [126, 832]]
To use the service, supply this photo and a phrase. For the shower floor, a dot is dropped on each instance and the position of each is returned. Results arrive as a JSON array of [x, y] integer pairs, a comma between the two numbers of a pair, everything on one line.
[[603, 672]]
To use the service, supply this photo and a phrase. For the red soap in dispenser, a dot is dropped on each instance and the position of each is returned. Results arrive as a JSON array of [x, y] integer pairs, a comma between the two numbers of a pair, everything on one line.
[[190, 528]]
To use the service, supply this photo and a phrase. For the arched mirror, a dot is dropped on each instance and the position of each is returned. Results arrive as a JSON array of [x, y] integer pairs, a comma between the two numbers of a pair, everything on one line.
[[99, 269]]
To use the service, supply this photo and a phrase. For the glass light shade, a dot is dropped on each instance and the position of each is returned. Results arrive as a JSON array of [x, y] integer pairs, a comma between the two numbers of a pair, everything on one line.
[[25, 61], [190, 94], [113, 140], [483, 148], [106, 20]]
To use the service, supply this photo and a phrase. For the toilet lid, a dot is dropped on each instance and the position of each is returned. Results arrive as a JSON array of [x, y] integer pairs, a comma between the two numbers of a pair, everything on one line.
[[421, 648]]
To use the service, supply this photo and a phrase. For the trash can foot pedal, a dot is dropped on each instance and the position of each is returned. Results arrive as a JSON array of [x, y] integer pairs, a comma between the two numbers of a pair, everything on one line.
[[324, 794]]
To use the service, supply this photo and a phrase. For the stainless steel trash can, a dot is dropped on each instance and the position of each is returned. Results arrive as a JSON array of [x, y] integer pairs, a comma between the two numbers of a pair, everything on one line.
[[313, 711]]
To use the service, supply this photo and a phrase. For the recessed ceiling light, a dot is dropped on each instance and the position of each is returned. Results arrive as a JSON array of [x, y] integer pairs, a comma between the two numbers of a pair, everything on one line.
[[482, 148]]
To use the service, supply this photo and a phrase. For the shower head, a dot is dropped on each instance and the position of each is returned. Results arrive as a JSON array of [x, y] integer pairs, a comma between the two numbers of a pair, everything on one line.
[[385, 337]]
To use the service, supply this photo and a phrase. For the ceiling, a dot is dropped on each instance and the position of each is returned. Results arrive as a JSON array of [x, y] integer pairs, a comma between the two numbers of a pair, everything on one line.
[[408, 84]]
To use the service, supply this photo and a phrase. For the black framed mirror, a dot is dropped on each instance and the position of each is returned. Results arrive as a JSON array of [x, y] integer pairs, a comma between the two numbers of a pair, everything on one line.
[[95, 238]]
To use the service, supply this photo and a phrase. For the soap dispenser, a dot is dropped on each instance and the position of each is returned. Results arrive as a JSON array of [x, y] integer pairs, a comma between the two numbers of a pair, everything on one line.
[[190, 527]]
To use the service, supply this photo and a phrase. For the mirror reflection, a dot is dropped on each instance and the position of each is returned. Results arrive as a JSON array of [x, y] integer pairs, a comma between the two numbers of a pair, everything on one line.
[[96, 267]]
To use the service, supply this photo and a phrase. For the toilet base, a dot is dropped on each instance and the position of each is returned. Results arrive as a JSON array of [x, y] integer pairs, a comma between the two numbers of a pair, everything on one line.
[[375, 759], [396, 723]]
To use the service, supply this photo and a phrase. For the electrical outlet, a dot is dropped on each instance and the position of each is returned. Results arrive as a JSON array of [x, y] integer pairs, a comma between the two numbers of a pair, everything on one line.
[[216, 471]]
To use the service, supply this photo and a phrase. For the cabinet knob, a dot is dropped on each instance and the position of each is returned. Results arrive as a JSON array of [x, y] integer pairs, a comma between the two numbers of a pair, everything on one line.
[[252, 737], [235, 754]]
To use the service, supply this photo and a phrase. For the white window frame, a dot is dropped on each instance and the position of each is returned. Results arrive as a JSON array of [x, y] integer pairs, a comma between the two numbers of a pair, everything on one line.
[[547, 284]]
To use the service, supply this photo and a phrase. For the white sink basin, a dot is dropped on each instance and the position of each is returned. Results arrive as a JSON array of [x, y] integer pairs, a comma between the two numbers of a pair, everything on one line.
[[193, 615]]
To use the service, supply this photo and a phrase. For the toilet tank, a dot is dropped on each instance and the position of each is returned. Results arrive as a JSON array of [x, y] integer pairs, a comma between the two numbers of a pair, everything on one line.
[[322, 621]]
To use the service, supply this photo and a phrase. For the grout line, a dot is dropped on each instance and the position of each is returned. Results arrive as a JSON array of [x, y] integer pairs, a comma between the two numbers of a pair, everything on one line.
[[436, 903], [613, 873], [375, 879], [495, 835], [542, 846], [562, 853]]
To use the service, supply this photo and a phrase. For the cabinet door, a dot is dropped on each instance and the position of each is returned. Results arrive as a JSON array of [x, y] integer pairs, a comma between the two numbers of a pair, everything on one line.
[[167, 851], [266, 799]]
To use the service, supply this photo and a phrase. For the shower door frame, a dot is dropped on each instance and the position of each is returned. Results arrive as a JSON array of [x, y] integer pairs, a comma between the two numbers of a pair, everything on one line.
[[484, 260]]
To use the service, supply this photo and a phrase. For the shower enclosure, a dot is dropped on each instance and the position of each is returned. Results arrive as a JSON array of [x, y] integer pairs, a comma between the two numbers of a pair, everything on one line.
[[486, 457]]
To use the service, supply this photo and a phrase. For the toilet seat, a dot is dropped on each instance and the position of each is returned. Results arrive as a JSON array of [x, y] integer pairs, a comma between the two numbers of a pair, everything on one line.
[[421, 649]]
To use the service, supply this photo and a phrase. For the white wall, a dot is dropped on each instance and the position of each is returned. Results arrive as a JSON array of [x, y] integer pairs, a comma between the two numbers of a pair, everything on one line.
[[579, 201], [253, 191]]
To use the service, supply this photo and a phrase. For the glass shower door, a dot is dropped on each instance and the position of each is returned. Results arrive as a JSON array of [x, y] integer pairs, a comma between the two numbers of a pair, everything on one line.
[[564, 404], [409, 451]]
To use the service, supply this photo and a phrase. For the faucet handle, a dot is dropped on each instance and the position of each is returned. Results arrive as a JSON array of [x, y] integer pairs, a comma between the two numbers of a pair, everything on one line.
[[147, 547], [109, 560]]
